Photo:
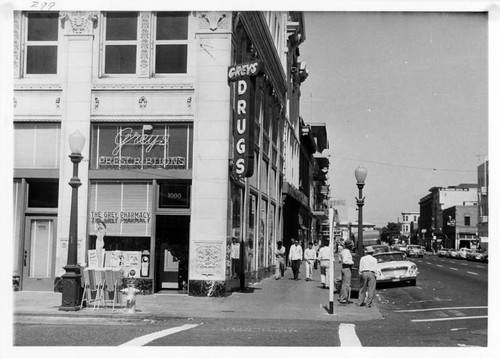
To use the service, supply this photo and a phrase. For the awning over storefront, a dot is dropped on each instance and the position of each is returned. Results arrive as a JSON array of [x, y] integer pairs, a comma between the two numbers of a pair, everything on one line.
[[295, 193], [320, 215]]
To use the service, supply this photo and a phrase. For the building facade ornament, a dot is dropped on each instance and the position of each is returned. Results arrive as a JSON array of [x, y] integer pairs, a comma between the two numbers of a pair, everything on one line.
[[214, 20], [143, 102], [17, 44], [208, 259], [82, 22], [144, 49]]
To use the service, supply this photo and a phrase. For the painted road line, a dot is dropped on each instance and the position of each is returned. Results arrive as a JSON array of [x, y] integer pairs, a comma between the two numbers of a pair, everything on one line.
[[447, 319], [439, 265], [453, 268], [472, 273], [443, 308], [347, 335], [140, 341]]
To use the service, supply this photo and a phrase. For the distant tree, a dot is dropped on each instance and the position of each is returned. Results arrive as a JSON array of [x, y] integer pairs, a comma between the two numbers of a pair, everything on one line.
[[390, 232]]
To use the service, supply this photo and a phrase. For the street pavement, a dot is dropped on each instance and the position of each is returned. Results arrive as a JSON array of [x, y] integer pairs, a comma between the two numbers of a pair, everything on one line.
[[267, 299]]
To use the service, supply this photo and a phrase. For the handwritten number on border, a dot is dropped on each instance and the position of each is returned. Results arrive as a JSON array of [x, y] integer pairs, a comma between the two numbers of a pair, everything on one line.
[[42, 5]]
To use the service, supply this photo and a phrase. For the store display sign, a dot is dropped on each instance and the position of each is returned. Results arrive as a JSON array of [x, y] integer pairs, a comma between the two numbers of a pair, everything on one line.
[[244, 118], [120, 217], [129, 146]]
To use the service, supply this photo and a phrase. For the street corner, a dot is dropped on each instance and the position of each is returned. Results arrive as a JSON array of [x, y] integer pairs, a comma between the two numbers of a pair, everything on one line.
[[351, 312]]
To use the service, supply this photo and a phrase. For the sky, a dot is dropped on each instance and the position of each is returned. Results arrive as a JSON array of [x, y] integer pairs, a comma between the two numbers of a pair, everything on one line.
[[405, 94]]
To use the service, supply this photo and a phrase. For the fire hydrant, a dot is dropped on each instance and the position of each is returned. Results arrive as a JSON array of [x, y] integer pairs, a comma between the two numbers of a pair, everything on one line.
[[131, 293]]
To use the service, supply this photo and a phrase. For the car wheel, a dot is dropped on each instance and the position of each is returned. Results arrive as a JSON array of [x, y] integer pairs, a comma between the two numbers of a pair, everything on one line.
[[413, 282]]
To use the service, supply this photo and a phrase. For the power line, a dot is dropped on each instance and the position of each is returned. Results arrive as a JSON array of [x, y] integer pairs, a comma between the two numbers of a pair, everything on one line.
[[406, 166]]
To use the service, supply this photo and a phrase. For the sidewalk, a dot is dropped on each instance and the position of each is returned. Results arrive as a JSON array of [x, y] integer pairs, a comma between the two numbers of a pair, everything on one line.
[[270, 299]]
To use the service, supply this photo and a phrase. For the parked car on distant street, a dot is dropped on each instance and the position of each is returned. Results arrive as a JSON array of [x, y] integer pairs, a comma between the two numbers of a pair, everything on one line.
[[415, 250], [475, 255], [393, 267], [484, 256], [452, 253], [442, 252], [462, 253]]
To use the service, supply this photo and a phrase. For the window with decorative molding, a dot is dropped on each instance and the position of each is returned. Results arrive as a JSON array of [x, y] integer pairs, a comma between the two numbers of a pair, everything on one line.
[[171, 42], [120, 43], [41, 41]]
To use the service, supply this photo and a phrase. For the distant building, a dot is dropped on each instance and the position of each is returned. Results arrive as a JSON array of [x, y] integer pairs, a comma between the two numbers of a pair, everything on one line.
[[430, 222], [409, 221], [460, 226], [482, 201]]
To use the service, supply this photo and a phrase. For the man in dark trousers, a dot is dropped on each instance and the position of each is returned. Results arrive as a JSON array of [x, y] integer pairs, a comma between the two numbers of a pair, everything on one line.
[[295, 256], [347, 262], [367, 269]]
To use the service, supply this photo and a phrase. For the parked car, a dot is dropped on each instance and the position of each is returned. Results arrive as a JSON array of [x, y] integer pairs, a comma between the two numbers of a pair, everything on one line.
[[393, 267], [452, 253], [402, 248], [472, 254], [475, 255], [415, 250], [484, 256], [378, 248], [442, 252], [462, 253]]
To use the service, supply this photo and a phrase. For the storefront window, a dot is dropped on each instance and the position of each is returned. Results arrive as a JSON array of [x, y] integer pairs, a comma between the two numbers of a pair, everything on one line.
[[250, 243], [233, 243], [271, 242], [137, 146], [262, 233], [36, 145]]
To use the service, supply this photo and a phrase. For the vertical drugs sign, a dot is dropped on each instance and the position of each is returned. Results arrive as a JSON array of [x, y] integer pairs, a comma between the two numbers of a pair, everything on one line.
[[244, 115]]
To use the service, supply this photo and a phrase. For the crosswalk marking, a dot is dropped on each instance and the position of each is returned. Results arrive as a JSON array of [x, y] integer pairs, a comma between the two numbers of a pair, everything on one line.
[[472, 273], [140, 341], [347, 335]]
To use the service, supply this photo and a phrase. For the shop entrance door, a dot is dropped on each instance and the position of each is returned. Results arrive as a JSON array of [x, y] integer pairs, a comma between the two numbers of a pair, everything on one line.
[[39, 254], [172, 252]]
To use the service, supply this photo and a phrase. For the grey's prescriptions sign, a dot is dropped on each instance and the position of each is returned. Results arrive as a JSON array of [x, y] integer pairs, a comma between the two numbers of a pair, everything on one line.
[[243, 126]]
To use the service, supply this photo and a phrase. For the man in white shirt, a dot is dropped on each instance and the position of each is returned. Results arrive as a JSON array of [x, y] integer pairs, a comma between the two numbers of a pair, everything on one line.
[[324, 264], [295, 256], [310, 259], [367, 269], [347, 262], [235, 258]]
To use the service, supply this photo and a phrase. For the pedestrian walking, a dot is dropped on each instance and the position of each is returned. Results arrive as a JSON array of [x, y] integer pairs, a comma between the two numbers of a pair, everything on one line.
[[347, 262], [295, 256], [367, 269], [324, 264], [310, 259], [316, 248], [280, 260]]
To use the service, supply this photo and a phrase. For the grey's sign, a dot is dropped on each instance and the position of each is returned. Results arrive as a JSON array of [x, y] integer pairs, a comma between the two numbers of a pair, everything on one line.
[[244, 118]]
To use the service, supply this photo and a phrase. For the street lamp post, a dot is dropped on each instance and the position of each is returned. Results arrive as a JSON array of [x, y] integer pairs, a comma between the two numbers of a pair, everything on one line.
[[71, 280], [360, 174]]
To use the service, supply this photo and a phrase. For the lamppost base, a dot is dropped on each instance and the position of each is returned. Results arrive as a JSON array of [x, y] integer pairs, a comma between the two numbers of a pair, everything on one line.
[[71, 289]]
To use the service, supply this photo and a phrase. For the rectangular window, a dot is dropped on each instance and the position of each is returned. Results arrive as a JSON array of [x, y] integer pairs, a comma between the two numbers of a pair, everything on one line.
[[120, 43], [171, 42], [41, 43], [43, 194], [175, 194], [36, 145], [467, 220]]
